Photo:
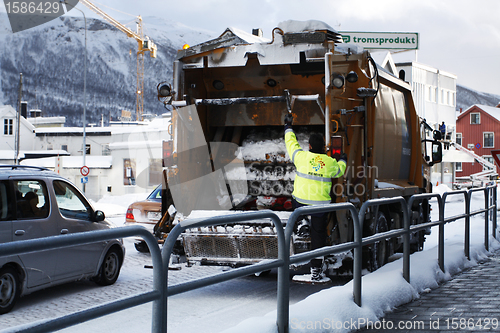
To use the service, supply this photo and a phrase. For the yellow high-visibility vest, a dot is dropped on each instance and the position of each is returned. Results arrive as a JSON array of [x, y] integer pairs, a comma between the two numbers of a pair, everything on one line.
[[314, 172]]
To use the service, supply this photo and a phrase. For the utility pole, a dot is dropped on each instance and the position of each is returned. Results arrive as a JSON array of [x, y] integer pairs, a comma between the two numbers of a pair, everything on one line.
[[18, 120]]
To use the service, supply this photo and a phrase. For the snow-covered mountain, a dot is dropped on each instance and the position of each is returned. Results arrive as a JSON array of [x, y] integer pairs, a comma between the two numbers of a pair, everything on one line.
[[50, 57], [467, 97]]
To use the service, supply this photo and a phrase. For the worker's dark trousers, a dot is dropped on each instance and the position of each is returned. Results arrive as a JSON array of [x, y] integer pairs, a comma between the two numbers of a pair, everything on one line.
[[319, 223]]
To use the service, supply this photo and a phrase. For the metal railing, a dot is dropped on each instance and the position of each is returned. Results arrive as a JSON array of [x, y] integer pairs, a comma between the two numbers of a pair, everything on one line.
[[161, 290]]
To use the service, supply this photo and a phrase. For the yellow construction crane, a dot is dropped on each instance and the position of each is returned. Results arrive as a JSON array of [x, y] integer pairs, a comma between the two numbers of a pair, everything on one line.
[[144, 45]]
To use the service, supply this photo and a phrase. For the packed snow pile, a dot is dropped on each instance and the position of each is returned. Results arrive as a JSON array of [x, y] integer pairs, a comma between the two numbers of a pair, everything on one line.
[[269, 145]]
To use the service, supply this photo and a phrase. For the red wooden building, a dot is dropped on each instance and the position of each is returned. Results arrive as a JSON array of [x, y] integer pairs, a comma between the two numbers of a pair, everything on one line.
[[478, 129]]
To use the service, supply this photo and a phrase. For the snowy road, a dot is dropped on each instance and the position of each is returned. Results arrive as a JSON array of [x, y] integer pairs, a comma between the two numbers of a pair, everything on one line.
[[211, 309]]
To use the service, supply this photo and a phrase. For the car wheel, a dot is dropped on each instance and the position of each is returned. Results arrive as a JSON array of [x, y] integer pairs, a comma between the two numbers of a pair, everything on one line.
[[110, 268], [9, 289]]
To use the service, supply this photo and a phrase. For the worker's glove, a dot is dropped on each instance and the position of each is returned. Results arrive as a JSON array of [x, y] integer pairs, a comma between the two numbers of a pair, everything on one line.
[[288, 121], [343, 157]]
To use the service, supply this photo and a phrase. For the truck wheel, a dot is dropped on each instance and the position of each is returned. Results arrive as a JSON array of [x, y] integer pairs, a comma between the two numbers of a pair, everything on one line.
[[110, 268], [419, 237], [378, 253], [9, 289]]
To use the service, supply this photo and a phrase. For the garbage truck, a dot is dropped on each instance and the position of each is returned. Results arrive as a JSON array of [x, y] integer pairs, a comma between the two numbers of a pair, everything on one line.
[[229, 97]]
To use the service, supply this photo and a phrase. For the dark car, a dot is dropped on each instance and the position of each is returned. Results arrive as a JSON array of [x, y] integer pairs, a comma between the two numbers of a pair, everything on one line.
[[36, 203]]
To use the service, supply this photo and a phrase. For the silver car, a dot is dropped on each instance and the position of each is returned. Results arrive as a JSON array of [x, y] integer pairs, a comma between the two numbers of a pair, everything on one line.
[[35, 203]]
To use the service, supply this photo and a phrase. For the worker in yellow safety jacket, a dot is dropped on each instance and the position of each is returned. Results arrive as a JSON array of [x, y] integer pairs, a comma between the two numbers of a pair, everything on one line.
[[312, 185]]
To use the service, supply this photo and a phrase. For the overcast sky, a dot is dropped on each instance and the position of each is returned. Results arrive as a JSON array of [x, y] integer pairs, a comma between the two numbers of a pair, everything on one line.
[[461, 37]]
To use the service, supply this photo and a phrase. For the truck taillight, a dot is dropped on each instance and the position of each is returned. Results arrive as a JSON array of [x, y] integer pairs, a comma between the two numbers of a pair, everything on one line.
[[336, 147], [168, 156]]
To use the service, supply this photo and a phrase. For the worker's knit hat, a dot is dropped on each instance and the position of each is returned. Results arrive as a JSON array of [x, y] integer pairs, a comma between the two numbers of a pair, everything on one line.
[[317, 143]]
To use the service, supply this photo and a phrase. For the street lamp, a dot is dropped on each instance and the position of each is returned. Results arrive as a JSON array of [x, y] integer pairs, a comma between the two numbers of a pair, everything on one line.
[[84, 150]]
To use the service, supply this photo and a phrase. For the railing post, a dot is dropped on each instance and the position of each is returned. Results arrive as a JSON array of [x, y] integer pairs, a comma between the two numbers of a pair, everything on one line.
[[468, 197], [441, 232], [406, 244], [486, 219], [166, 251], [358, 258], [494, 189], [283, 302]]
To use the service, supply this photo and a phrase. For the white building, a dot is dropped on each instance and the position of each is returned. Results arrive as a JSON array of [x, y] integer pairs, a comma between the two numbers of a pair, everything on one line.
[[8, 118], [434, 93], [122, 159]]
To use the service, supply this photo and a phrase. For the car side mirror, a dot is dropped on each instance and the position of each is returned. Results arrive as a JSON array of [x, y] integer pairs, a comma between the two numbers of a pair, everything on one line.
[[99, 216]]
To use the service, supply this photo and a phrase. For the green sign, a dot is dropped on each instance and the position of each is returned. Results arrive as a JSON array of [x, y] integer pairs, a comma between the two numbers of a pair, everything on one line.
[[382, 40]]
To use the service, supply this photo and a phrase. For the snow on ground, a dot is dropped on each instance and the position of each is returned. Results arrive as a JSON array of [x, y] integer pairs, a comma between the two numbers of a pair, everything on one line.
[[332, 307]]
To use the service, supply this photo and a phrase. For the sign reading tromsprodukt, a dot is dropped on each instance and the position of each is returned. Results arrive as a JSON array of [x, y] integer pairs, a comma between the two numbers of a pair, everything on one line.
[[382, 40]]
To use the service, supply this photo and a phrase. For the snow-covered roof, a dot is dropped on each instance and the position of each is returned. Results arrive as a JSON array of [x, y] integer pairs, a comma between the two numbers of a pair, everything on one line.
[[136, 144], [491, 110], [30, 154], [72, 130], [248, 38], [293, 26], [40, 121], [72, 162]]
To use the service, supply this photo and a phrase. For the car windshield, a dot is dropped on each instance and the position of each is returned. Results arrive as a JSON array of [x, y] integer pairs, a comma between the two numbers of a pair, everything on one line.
[[156, 194]]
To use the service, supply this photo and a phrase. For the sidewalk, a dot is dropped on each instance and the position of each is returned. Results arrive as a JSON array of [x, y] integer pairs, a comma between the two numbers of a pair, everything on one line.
[[469, 302]]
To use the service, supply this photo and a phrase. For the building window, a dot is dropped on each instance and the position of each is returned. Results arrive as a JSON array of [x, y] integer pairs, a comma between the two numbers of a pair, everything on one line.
[[105, 150], [64, 147], [402, 74], [458, 138], [128, 171], [458, 166], [475, 118], [8, 126], [488, 140], [87, 149], [488, 158]]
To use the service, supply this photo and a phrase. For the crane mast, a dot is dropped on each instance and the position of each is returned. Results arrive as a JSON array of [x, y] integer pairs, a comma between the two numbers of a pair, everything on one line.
[[144, 45]]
